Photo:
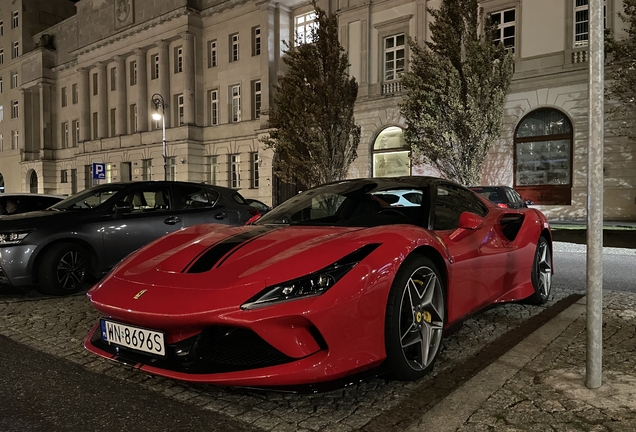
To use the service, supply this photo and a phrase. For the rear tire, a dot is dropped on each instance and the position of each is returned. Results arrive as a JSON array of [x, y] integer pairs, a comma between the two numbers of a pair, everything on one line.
[[541, 273], [415, 317], [64, 269]]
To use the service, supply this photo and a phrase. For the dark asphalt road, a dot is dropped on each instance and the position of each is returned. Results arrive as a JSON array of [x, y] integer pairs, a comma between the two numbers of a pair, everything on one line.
[[39, 392]]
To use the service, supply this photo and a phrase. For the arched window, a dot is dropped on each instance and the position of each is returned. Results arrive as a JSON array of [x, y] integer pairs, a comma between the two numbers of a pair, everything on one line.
[[33, 182], [391, 156], [543, 157]]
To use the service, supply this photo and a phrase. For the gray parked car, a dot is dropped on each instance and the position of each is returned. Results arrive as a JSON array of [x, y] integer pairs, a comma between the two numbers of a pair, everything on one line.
[[85, 235]]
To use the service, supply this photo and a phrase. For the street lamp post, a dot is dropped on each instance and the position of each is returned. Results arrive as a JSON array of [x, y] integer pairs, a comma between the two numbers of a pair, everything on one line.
[[157, 99]]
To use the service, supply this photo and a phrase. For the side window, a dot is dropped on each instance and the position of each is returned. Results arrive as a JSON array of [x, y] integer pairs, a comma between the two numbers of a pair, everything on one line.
[[148, 199], [451, 201], [198, 197]]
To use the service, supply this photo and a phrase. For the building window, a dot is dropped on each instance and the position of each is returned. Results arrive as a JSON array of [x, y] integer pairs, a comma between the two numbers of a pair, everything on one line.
[[304, 27], [391, 156], [1, 113], [146, 169], [178, 59], [1, 28], [214, 107], [113, 79], [213, 170], [155, 66], [15, 21], [15, 109], [133, 73], [254, 170], [393, 57], [1, 85], [15, 139], [75, 126], [16, 50], [95, 133], [235, 171], [543, 157], [88, 176], [1, 56], [75, 94], [179, 109], [256, 99], [256, 41], [582, 20], [65, 135], [133, 118], [505, 33], [95, 84], [14, 79], [212, 54], [64, 176], [63, 96], [235, 92], [73, 181], [172, 168], [113, 117], [234, 47], [2, 148]]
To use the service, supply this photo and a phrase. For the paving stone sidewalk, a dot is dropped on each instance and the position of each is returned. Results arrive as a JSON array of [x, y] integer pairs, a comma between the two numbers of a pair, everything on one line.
[[540, 384]]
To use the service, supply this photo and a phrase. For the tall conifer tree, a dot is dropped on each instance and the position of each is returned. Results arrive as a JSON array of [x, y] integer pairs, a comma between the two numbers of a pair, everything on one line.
[[314, 131], [455, 91]]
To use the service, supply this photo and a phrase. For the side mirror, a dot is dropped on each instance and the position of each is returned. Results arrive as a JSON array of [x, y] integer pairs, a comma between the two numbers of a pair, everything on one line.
[[122, 208], [471, 221]]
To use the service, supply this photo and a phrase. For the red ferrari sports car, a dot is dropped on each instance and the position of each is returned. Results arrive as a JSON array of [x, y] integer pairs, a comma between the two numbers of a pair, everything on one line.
[[340, 279]]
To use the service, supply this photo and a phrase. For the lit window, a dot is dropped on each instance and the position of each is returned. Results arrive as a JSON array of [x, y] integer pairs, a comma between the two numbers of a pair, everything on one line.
[[213, 170], [304, 26], [393, 57], [391, 156], [146, 169]]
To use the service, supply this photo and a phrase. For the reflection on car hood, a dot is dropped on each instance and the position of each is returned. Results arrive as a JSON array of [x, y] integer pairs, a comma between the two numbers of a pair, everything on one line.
[[29, 219]]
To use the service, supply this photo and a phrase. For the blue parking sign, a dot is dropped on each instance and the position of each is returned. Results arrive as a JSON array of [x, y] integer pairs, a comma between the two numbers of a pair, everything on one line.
[[99, 171]]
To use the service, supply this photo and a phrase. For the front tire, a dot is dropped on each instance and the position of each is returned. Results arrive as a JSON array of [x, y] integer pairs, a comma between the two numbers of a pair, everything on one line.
[[415, 317], [63, 269], [541, 273]]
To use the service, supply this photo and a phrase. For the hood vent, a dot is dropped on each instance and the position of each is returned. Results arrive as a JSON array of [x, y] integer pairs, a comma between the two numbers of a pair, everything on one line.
[[216, 254]]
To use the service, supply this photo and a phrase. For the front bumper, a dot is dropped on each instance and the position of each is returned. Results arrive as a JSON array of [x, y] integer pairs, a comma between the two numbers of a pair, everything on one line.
[[14, 265]]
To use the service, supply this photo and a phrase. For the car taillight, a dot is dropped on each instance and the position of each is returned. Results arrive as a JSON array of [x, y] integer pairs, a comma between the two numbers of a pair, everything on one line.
[[502, 205]]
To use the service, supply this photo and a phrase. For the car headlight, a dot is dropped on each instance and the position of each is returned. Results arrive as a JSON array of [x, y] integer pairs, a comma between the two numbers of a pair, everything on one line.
[[311, 285], [11, 238]]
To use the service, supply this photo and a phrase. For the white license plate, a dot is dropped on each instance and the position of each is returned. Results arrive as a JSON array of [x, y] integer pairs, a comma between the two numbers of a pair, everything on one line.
[[136, 338]]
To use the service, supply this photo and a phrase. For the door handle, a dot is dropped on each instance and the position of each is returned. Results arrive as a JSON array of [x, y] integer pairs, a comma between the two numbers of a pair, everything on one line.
[[220, 216], [172, 220]]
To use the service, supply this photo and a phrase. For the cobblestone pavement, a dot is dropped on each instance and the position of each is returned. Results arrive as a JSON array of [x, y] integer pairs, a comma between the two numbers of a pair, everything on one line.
[[57, 326]]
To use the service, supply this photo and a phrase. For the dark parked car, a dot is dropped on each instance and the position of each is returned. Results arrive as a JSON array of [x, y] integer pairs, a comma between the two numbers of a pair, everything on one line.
[[258, 205], [503, 196], [85, 235], [14, 203]]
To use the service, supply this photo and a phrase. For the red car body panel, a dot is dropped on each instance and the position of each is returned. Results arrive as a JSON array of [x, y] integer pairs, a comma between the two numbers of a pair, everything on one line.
[[328, 336]]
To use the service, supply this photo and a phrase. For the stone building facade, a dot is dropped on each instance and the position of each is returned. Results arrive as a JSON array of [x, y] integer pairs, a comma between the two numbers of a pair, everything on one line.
[[86, 75]]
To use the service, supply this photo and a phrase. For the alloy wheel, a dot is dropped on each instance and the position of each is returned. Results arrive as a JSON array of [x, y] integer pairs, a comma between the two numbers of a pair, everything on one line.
[[71, 270]]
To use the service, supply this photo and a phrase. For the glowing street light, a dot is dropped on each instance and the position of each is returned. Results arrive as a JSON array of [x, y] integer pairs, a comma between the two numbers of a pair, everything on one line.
[[157, 99]]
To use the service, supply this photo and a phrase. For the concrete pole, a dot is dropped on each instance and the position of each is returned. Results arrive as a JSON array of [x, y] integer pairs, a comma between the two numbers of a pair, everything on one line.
[[594, 365]]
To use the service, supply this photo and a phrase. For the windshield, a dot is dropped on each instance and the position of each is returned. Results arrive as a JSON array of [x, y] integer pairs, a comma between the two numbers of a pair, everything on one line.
[[89, 198], [353, 204]]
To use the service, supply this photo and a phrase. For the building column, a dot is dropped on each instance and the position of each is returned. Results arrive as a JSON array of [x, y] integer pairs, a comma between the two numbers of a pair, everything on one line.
[[102, 101], [46, 135], [164, 78], [121, 123], [142, 90], [84, 105], [188, 79]]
